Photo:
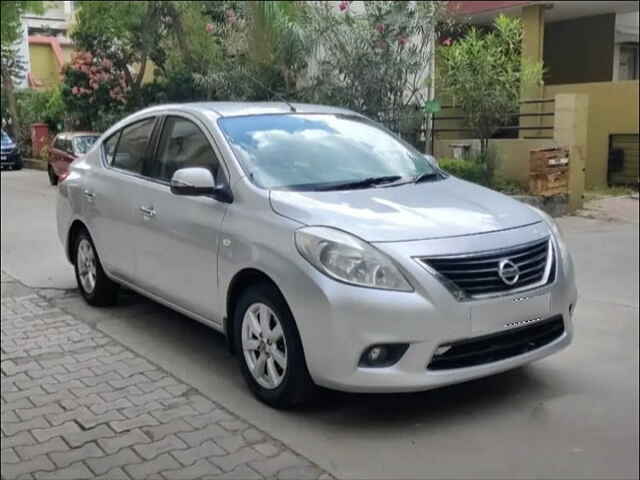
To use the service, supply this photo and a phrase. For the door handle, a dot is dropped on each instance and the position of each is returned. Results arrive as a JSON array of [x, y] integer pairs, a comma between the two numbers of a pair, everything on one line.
[[148, 211], [89, 195]]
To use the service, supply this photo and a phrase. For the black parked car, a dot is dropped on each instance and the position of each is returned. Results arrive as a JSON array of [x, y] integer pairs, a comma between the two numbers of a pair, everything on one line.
[[9, 153]]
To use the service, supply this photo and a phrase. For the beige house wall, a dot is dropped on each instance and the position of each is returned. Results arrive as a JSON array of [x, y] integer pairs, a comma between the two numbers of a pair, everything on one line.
[[512, 154], [613, 109]]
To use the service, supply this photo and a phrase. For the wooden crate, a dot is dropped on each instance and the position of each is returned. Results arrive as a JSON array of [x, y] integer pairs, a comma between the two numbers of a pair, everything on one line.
[[552, 181], [540, 160]]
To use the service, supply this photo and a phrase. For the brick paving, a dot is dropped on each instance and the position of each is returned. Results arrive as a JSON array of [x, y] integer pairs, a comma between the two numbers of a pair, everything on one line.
[[76, 404]]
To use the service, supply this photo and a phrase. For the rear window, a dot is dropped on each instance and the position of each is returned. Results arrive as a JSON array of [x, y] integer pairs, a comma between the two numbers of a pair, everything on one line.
[[81, 145], [132, 146]]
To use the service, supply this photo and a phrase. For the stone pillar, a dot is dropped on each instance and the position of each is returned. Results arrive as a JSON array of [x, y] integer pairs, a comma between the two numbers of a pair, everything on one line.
[[570, 131], [532, 51]]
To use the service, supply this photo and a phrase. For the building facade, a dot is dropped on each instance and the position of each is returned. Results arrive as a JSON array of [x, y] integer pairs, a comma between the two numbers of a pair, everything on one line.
[[586, 47], [45, 46]]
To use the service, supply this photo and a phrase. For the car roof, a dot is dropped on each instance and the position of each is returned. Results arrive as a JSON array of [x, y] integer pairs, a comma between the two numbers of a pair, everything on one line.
[[236, 109]]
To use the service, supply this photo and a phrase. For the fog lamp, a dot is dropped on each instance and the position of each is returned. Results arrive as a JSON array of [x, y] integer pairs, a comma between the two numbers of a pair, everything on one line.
[[383, 355]]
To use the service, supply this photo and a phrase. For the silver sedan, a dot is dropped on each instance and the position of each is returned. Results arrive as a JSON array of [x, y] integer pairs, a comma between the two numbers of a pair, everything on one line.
[[326, 249]]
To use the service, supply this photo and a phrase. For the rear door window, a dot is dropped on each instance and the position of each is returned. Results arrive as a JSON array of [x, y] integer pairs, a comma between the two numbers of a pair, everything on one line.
[[132, 148], [109, 147]]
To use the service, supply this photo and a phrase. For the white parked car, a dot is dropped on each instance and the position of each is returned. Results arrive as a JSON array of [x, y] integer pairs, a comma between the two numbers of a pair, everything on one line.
[[327, 250]]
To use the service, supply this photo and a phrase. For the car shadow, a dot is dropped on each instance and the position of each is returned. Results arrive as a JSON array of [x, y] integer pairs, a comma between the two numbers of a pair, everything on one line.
[[524, 385]]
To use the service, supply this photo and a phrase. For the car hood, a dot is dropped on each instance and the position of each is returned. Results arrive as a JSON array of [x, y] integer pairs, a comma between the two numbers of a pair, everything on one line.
[[444, 208]]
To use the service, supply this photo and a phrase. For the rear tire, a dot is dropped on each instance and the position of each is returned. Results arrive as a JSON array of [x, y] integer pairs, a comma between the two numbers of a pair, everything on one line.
[[53, 178], [285, 380], [94, 285]]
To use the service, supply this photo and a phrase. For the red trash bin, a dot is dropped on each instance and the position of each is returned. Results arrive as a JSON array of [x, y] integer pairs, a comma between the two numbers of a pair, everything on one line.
[[39, 138]]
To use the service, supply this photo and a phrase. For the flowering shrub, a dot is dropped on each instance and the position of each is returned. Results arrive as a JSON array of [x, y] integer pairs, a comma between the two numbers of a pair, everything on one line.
[[91, 85], [375, 58]]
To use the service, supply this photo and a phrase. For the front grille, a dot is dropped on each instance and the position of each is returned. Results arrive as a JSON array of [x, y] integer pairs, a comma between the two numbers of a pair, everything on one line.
[[477, 275], [498, 346]]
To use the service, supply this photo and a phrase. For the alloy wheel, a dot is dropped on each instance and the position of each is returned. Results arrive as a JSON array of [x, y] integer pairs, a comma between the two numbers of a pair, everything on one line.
[[264, 345], [87, 270]]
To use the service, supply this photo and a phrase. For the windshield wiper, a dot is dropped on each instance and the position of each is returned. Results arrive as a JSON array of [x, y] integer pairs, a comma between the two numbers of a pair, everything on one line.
[[427, 176], [364, 183]]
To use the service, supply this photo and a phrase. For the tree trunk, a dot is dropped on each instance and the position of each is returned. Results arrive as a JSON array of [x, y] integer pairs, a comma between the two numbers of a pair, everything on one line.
[[487, 159]]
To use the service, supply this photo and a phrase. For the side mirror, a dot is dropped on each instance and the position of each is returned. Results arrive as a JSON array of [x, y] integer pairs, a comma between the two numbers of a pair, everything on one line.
[[198, 181]]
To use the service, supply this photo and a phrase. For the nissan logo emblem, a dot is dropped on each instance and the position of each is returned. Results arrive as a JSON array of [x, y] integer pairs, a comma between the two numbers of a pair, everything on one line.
[[508, 271]]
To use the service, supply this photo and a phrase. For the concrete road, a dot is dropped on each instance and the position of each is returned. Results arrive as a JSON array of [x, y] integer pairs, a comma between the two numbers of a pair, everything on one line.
[[573, 415]]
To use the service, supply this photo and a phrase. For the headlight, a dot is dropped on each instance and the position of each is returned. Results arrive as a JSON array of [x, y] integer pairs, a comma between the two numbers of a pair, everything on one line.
[[348, 259], [557, 233]]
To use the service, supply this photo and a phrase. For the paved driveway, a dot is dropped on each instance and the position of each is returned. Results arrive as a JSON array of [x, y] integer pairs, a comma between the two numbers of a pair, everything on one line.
[[572, 415]]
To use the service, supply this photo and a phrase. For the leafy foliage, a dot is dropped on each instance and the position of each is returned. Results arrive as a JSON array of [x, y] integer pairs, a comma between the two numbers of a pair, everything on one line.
[[374, 61], [127, 34], [483, 74], [263, 51], [467, 169], [474, 169], [91, 86], [11, 67], [34, 106], [10, 22]]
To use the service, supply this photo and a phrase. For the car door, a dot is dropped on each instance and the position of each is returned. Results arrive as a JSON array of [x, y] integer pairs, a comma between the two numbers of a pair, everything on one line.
[[177, 250], [110, 192]]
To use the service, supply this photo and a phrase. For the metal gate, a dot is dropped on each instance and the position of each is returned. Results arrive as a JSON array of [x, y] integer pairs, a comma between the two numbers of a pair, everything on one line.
[[623, 167]]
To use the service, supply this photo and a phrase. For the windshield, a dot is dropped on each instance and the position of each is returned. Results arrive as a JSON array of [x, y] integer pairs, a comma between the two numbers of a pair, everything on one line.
[[6, 140], [307, 151], [82, 144]]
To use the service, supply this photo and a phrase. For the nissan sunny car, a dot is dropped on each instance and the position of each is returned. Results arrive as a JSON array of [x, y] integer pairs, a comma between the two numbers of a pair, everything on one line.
[[326, 249]]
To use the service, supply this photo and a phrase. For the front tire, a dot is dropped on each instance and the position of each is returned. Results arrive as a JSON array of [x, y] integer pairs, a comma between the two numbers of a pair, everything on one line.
[[269, 349], [53, 178], [96, 288]]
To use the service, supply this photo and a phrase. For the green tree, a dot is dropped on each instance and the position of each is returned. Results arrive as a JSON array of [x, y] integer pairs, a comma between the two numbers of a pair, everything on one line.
[[277, 36], [126, 33], [263, 49], [131, 35], [374, 59], [11, 66], [483, 74]]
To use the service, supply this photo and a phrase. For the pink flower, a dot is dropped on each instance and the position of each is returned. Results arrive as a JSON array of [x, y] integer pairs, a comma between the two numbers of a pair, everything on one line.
[[210, 27], [447, 41], [75, 91], [344, 5], [403, 40], [106, 63], [380, 28]]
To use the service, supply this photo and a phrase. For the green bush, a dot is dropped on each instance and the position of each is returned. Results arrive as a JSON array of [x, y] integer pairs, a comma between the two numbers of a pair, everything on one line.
[[475, 170], [38, 106], [469, 170], [35, 106]]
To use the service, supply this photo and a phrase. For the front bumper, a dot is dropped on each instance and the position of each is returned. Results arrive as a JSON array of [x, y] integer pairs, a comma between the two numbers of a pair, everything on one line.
[[338, 322]]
